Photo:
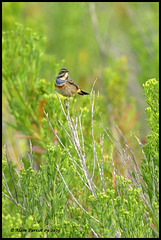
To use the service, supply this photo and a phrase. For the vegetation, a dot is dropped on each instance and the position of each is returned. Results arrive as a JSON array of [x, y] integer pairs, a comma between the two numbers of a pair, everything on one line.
[[83, 171]]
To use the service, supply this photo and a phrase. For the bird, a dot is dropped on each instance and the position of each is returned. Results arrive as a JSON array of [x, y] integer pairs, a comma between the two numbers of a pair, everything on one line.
[[65, 85]]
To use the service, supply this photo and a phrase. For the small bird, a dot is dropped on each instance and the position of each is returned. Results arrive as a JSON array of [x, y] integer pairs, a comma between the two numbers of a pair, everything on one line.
[[65, 85]]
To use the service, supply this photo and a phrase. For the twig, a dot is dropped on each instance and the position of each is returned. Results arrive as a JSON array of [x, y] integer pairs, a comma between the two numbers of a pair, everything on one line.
[[124, 156], [127, 145], [92, 90], [93, 141], [12, 199], [9, 192], [102, 175], [71, 159], [61, 105], [75, 140], [96, 235], [74, 136], [14, 185], [46, 114], [141, 145], [68, 135], [73, 196], [80, 126], [7, 188], [114, 172], [30, 155]]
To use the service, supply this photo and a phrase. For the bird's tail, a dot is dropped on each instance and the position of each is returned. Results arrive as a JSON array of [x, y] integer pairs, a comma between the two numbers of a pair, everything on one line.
[[81, 92]]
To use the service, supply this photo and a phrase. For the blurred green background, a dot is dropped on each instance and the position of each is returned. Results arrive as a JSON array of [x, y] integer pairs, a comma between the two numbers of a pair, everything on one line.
[[115, 43]]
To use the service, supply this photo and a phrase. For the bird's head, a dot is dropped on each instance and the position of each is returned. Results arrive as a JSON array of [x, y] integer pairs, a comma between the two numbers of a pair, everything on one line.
[[63, 73]]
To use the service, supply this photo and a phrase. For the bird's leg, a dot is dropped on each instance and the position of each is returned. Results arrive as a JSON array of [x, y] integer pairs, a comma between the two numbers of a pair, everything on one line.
[[66, 102]]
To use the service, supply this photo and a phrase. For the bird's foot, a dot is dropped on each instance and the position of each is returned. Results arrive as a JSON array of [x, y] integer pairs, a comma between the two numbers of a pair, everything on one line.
[[66, 102]]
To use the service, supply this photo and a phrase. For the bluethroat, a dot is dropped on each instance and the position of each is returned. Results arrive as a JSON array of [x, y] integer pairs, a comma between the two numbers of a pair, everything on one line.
[[65, 85]]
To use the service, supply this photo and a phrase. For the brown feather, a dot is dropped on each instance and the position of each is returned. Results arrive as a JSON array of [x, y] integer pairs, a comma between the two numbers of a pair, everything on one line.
[[81, 92]]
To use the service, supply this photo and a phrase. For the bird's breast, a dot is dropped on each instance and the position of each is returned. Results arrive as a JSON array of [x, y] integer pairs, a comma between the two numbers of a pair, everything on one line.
[[59, 82]]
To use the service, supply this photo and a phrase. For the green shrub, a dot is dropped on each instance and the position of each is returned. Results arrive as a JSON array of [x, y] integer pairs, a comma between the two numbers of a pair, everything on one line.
[[70, 192]]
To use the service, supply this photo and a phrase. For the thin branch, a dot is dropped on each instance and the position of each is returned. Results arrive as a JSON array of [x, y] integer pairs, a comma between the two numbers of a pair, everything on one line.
[[61, 105], [102, 175], [11, 174], [7, 187], [74, 135], [9, 192], [73, 196], [127, 145], [12, 199], [71, 159], [80, 126], [75, 139], [92, 90], [68, 135], [96, 235], [93, 141], [46, 114], [114, 172], [31, 155], [123, 156], [141, 145]]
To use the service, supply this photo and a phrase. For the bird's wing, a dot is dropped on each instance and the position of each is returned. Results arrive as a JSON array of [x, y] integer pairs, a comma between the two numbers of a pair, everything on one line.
[[70, 81]]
